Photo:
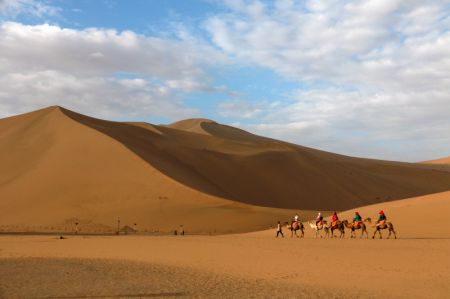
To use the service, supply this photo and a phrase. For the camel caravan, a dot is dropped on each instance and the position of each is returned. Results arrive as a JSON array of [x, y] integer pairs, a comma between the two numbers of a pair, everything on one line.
[[324, 229]]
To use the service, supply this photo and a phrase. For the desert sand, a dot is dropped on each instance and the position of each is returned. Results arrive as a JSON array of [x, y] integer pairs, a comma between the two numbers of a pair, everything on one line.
[[228, 188], [248, 265], [254, 265], [58, 167]]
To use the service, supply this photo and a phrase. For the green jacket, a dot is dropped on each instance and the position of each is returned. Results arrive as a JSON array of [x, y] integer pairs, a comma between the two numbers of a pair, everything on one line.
[[357, 218]]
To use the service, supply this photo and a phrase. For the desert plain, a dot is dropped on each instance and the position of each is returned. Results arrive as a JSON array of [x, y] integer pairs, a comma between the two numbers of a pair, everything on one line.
[[69, 183]]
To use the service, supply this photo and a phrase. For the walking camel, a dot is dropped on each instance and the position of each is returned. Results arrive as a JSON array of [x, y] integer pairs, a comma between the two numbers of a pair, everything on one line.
[[352, 227], [318, 228], [379, 227], [339, 225], [294, 227]]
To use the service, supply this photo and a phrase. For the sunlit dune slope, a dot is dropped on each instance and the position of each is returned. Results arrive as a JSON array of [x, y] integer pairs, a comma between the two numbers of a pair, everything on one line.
[[57, 165], [418, 217]]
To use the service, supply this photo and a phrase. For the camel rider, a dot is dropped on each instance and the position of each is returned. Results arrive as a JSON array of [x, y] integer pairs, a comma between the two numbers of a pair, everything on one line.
[[381, 218], [357, 219], [319, 219], [296, 218], [334, 219]]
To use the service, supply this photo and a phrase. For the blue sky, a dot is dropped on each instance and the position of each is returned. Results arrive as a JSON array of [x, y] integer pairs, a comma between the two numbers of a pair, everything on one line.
[[364, 78]]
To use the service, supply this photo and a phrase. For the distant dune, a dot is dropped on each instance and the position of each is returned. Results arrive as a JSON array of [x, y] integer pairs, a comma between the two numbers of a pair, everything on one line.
[[57, 165], [445, 160]]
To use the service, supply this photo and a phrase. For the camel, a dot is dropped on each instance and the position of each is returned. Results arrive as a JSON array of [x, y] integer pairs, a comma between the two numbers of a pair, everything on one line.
[[378, 228], [338, 226], [294, 227], [361, 226], [318, 228]]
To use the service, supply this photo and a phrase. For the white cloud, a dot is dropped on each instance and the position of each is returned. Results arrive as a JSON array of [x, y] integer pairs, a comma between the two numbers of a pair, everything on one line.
[[108, 98], [100, 71], [373, 71], [39, 9]]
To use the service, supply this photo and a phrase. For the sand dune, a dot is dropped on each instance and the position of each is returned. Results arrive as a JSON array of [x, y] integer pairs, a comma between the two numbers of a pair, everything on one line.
[[445, 160], [57, 165], [418, 217]]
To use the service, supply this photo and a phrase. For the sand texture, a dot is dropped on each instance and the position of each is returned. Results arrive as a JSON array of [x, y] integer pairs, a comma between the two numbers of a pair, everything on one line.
[[255, 265]]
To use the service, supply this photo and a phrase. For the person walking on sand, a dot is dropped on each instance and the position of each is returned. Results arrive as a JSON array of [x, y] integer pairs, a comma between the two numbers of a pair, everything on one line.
[[181, 230], [279, 230]]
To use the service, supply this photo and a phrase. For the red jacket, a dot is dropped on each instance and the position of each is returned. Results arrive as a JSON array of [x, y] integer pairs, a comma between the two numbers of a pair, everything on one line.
[[334, 218]]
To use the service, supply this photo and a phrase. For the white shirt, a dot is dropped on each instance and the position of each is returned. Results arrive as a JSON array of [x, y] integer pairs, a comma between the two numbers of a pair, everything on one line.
[[296, 217]]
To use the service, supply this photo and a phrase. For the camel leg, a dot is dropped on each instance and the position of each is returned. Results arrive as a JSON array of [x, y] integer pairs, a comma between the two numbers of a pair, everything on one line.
[[374, 233], [391, 228], [379, 231]]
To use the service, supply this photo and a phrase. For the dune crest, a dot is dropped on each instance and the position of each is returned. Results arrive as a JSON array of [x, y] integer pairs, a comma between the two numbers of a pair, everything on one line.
[[445, 160], [56, 164]]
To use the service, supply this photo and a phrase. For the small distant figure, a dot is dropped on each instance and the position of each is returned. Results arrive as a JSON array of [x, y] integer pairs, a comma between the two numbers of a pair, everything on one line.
[[381, 219], [181, 230], [319, 220], [76, 226], [296, 217], [279, 230], [357, 220], [334, 219], [175, 232]]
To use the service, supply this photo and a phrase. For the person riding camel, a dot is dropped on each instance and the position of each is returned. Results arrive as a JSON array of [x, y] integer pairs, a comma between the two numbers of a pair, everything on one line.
[[319, 220], [334, 219], [296, 218], [381, 218], [357, 220]]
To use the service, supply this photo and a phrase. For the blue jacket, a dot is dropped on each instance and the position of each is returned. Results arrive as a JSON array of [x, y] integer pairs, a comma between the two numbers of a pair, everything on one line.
[[357, 218]]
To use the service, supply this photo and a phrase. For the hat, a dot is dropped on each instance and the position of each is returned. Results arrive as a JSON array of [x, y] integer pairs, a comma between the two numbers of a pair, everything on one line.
[[356, 212], [320, 214], [381, 212]]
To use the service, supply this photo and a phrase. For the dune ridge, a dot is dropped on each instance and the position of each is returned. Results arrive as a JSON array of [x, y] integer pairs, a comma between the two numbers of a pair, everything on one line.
[[56, 165]]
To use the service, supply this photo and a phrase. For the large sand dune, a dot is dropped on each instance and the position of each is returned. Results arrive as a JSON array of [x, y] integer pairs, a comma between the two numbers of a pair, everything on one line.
[[57, 165], [418, 217]]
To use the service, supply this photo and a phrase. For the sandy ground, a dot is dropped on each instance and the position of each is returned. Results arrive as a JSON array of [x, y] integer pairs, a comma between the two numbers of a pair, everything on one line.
[[233, 266]]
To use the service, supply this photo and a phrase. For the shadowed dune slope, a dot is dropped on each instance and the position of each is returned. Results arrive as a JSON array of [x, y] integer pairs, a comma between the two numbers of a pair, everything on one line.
[[234, 164], [439, 164], [54, 169], [194, 171]]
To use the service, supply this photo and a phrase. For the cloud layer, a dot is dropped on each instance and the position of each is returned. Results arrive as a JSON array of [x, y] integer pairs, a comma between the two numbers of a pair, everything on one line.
[[366, 77], [371, 71], [101, 71]]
